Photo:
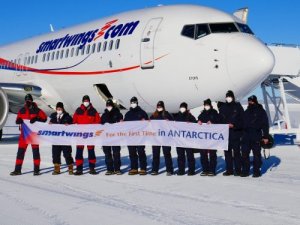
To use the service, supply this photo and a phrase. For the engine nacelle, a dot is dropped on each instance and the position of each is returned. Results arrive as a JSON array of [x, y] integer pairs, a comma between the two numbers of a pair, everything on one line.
[[4, 108]]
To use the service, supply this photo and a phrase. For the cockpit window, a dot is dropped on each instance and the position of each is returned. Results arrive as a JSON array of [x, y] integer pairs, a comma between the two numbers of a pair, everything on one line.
[[202, 30], [223, 28], [189, 31], [244, 28]]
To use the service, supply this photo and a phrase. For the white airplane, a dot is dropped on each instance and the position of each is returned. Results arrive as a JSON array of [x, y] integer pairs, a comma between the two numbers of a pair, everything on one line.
[[171, 53]]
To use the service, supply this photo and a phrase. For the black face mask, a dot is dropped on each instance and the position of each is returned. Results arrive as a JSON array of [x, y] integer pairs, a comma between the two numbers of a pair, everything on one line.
[[28, 103]]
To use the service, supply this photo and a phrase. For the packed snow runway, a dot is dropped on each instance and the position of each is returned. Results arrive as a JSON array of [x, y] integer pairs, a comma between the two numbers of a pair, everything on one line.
[[272, 199]]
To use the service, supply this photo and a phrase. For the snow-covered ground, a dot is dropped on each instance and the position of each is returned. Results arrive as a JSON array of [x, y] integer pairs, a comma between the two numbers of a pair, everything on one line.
[[272, 199]]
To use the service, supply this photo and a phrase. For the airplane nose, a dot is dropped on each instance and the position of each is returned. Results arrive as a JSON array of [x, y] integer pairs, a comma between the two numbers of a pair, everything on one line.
[[249, 61]]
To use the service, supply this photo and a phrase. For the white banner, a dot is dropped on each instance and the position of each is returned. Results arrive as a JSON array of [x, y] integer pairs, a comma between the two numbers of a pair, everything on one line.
[[161, 133]]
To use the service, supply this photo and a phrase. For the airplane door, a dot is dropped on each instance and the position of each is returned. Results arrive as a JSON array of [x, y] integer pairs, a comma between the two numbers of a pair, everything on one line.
[[147, 43]]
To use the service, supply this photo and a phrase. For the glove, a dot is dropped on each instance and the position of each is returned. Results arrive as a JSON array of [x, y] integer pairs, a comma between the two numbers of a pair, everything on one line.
[[33, 120], [19, 121]]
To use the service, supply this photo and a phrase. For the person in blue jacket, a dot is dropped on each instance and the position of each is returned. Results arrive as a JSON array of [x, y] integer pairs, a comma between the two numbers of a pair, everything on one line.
[[61, 117], [161, 114], [231, 113], [256, 129], [112, 153], [208, 157], [184, 115], [136, 113]]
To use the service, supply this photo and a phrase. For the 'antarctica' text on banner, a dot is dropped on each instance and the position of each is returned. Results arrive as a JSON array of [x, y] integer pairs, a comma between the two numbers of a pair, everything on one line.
[[161, 133]]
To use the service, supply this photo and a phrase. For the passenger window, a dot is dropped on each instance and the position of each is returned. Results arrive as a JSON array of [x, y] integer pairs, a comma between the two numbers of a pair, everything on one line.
[[72, 52], [53, 55], [117, 43], [67, 53], [202, 30], [32, 59], [189, 31], [57, 55], [28, 60], [61, 54], [77, 51], [48, 56], [44, 57], [104, 46], [223, 28], [93, 48], [110, 45], [36, 59], [25, 60], [88, 49], [99, 47], [82, 50]]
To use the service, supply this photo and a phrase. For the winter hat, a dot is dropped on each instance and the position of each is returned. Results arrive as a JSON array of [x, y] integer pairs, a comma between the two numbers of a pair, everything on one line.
[[109, 102], [207, 102], [230, 94], [183, 105], [86, 98], [134, 100], [253, 98], [60, 105], [28, 97], [160, 104]]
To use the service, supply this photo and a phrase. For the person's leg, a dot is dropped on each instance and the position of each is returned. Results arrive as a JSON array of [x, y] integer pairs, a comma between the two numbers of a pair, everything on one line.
[[142, 157], [155, 158], [67, 152], [133, 157], [36, 158], [237, 156], [257, 161], [108, 158], [181, 160], [168, 159], [20, 157], [191, 161], [229, 160], [246, 148], [92, 158], [212, 161], [117, 158], [79, 158], [204, 161], [56, 152]]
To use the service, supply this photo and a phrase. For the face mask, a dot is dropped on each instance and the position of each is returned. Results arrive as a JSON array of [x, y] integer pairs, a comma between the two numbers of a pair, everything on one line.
[[109, 108], [207, 107], [86, 104], [229, 99], [28, 103], [59, 112], [182, 110], [133, 105], [160, 109]]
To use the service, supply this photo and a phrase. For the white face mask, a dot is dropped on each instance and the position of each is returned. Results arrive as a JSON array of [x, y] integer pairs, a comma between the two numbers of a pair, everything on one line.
[[86, 104], [160, 109], [182, 110], [59, 112], [133, 105], [207, 107], [109, 108], [229, 99]]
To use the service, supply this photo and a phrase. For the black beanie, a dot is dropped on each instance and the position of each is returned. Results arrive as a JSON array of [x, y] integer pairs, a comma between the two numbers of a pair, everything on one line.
[[109, 102], [86, 97], [160, 104], [184, 105], [134, 100], [28, 97], [207, 102], [60, 105], [253, 98], [230, 94]]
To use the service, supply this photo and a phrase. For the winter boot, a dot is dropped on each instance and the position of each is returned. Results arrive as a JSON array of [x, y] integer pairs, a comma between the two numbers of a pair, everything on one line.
[[36, 173], [56, 169], [142, 172], [118, 172], [93, 171], [108, 173], [227, 173], [78, 173], [154, 173], [15, 173], [71, 170], [204, 173], [133, 172]]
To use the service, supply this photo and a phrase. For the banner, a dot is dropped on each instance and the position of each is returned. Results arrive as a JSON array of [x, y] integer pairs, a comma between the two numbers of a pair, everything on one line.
[[161, 133]]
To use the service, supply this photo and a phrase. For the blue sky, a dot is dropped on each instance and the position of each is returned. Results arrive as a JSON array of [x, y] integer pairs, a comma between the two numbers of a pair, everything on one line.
[[272, 21]]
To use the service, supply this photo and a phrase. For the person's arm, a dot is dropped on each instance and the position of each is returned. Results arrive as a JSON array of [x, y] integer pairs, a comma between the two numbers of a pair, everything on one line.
[[19, 119], [97, 118]]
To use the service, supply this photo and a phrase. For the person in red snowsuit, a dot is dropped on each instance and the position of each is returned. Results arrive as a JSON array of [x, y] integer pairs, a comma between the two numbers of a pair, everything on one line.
[[86, 114], [31, 112]]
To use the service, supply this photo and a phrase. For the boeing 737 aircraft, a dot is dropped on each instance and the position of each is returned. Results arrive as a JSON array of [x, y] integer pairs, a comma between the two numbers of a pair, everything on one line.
[[172, 53]]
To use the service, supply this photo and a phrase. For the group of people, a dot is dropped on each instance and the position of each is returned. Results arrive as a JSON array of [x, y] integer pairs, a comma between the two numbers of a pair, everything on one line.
[[247, 130]]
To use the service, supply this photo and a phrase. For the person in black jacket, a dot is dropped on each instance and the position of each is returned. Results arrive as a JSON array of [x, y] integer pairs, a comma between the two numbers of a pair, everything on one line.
[[112, 153], [161, 114], [136, 153], [256, 129], [61, 117], [184, 115], [231, 113], [208, 157]]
